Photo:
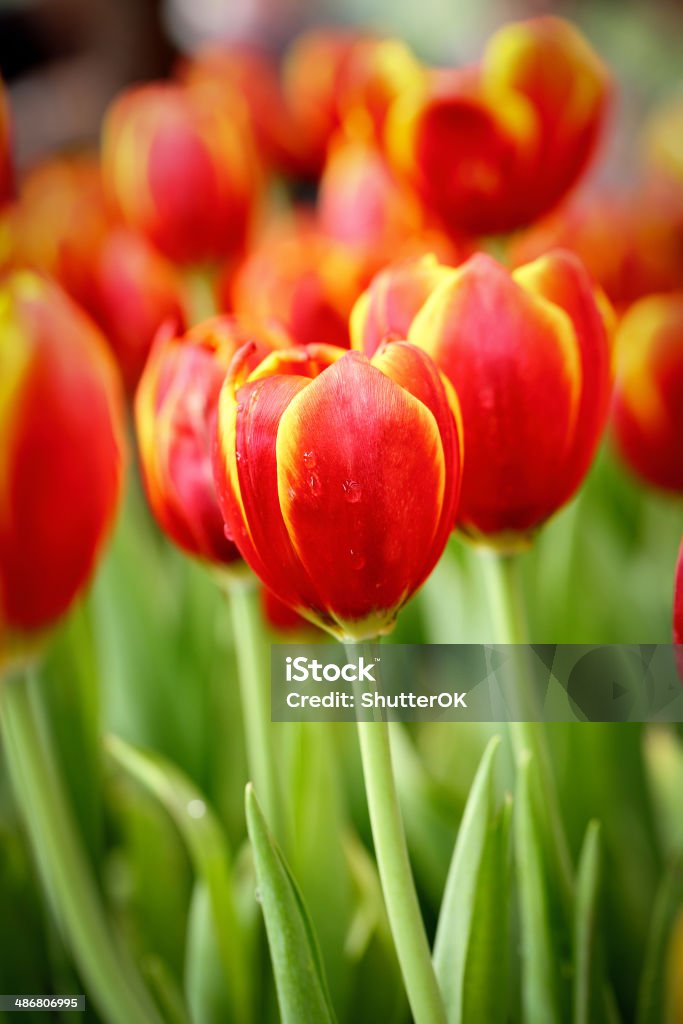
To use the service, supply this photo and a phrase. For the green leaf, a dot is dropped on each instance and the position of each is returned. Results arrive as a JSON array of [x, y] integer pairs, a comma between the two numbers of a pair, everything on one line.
[[207, 996], [207, 846], [297, 965], [539, 958], [588, 979], [470, 950], [669, 902]]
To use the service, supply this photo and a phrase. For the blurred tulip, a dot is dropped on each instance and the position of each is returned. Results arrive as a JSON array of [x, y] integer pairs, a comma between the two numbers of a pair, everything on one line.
[[388, 307], [6, 165], [182, 170], [135, 291], [493, 147], [304, 279], [632, 246], [175, 411], [648, 404], [334, 77], [62, 451], [338, 477], [61, 222], [528, 355], [232, 69]]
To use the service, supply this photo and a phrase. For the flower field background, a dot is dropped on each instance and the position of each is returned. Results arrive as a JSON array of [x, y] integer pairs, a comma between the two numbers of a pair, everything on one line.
[[326, 192]]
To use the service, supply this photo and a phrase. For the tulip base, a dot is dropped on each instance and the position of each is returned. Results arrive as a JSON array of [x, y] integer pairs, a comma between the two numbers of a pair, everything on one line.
[[108, 973], [398, 887]]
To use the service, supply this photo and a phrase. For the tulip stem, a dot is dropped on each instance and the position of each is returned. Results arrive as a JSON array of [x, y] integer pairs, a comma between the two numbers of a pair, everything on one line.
[[528, 736], [108, 973], [200, 295], [253, 673], [391, 851]]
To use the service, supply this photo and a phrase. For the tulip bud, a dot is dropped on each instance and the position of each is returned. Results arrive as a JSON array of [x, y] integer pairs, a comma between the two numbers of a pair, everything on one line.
[[648, 405], [493, 148], [338, 478], [528, 355], [304, 279], [61, 461], [6, 166], [61, 222], [182, 170], [135, 290], [175, 413]]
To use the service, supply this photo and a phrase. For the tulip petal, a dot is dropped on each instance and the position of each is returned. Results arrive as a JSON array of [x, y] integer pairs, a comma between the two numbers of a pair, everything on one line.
[[361, 480]]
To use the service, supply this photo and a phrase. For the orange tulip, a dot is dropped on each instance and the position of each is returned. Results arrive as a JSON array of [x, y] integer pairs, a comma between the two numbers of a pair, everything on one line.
[[6, 166], [648, 404], [493, 147], [182, 170], [175, 412], [338, 478], [62, 452]]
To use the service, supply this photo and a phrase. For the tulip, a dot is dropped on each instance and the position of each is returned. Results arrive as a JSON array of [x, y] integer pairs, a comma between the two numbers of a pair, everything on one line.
[[528, 355], [304, 279], [631, 245], [338, 478], [182, 170], [62, 451], [175, 411], [279, 615], [493, 147], [61, 222], [334, 78], [663, 141], [648, 404], [135, 290], [6, 166]]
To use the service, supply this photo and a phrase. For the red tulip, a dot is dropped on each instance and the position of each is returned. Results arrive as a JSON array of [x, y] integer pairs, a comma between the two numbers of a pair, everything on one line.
[[182, 170], [338, 478], [648, 404], [528, 355], [135, 290], [304, 279], [631, 245], [334, 78], [280, 616], [494, 147], [175, 411], [62, 454], [61, 222], [6, 166]]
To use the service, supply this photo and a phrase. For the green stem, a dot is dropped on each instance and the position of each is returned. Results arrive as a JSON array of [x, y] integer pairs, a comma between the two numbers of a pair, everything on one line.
[[109, 975], [254, 676], [201, 295], [506, 597], [398, 887]]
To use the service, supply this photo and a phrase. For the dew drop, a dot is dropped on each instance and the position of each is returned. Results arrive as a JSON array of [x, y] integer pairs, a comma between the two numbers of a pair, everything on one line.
[[314, 484], [310, 460], [238, 456], [196, 808], [257, 895], [352, 491], [357, 559]]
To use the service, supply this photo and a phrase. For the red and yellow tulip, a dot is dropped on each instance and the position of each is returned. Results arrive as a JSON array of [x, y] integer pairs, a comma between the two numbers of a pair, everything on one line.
[[182, 170], [62, 451], [175, 413], [493, 147], [528, 355], [648, 404], [338, 478]]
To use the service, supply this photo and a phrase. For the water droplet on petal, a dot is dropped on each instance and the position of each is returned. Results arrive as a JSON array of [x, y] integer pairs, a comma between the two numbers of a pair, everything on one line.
[[357, 559], [314, 484], [352, 491], [310, 460], [238, 456]]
